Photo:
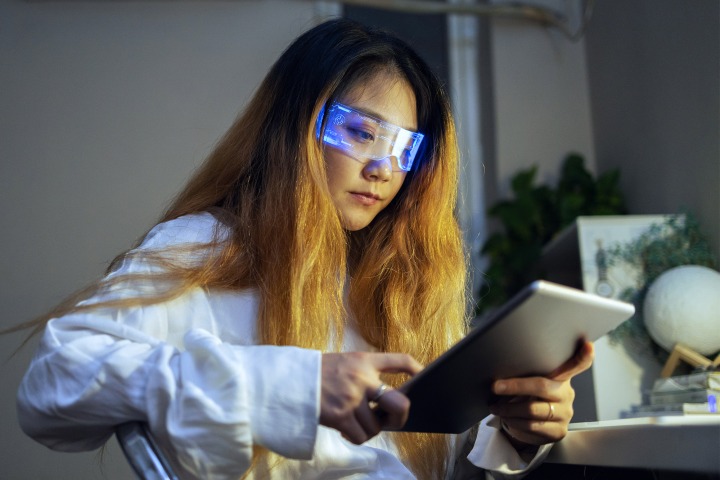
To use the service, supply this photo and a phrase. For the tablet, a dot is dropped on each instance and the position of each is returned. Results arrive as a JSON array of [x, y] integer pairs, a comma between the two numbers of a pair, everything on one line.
[[532, 334]]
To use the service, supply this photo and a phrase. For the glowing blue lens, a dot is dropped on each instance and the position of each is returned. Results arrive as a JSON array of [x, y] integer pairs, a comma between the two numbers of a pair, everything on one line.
[[364, 137]]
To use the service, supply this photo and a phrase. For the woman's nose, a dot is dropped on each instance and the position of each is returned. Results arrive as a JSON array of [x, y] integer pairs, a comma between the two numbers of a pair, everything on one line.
[[378, 170]]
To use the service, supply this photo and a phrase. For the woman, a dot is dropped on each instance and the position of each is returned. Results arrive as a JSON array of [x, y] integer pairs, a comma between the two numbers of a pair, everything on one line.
[[255, 324]]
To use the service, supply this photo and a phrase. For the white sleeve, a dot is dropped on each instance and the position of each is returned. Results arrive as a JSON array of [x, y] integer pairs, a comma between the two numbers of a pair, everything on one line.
[[211, 402], [494, 453], [207, 400]]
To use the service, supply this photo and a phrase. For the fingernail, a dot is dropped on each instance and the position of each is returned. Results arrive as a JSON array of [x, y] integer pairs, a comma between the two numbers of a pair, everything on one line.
[[500, 387]]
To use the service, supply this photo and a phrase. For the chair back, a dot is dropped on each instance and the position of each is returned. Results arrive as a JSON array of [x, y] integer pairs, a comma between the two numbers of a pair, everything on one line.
[[143, 454]]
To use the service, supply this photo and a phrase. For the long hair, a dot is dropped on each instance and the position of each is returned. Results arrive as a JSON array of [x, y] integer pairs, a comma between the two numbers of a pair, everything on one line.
[[266, 182]]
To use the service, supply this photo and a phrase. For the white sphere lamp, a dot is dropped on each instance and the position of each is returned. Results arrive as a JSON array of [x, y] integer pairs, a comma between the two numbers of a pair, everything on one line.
[[683, 306]]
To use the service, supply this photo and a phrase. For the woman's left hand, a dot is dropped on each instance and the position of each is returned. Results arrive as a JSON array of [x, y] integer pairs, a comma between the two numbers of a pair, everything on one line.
[[538, 410]]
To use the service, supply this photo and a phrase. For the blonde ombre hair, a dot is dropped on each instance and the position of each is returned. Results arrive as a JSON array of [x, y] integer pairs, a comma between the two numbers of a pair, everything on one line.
[[266, 183]]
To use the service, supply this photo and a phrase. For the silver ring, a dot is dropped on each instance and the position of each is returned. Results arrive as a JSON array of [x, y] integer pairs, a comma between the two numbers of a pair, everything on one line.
[[551, 412], [379, 393]]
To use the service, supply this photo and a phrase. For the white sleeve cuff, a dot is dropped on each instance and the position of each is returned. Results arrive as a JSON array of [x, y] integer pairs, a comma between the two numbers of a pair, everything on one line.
[[492, 451]]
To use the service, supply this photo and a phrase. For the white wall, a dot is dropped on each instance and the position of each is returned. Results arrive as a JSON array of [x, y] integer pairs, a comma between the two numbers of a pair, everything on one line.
[[654, 68], [105, 109], [541, 97]]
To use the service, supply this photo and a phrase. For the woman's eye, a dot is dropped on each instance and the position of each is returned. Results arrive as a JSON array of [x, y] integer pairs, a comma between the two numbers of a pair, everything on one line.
[[361, 135]]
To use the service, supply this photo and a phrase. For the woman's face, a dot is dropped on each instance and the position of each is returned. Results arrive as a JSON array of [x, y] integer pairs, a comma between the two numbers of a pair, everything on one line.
[[361, 190]]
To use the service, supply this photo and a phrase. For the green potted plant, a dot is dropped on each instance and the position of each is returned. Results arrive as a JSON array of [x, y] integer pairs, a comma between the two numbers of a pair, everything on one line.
[[534, 215]]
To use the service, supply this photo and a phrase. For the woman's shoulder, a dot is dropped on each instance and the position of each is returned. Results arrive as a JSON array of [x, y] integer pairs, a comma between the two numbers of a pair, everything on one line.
[[196, 228]]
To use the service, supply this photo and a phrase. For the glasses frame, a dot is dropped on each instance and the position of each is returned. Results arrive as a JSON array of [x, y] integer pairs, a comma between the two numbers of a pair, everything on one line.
[[346, 147]]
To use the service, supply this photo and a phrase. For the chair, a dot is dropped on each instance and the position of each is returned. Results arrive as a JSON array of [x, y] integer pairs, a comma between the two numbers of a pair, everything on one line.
[[143, 454]]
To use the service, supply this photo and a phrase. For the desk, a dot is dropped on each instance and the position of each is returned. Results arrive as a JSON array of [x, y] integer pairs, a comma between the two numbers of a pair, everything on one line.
[[686, 443]]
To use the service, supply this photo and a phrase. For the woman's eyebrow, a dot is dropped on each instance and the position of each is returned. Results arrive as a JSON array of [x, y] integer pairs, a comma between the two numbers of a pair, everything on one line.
[[379, 116]]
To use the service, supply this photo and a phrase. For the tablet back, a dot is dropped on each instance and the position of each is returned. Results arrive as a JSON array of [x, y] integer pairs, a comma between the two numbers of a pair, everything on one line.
[[532, 334]]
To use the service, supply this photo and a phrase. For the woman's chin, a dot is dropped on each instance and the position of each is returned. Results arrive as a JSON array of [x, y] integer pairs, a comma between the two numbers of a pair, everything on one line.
[[354, 224]]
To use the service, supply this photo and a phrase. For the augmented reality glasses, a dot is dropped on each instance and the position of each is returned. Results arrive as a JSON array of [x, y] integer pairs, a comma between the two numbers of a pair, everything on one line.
[[366, 138]]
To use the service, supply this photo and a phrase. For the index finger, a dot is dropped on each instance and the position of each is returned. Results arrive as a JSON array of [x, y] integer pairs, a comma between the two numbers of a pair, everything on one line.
[[579, 362], [395, 363]]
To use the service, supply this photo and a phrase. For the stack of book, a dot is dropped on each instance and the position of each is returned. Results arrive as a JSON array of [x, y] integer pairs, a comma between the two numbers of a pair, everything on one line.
[[694, 393]]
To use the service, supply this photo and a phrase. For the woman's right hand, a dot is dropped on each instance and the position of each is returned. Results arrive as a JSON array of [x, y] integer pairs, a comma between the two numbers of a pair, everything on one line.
[[350, 381]]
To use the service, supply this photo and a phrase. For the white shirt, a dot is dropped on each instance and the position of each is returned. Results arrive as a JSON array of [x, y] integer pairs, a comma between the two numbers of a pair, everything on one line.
[[192, 368]]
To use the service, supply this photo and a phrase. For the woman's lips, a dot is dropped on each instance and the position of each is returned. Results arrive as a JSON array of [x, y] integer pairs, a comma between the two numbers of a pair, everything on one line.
[[365, 198]]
